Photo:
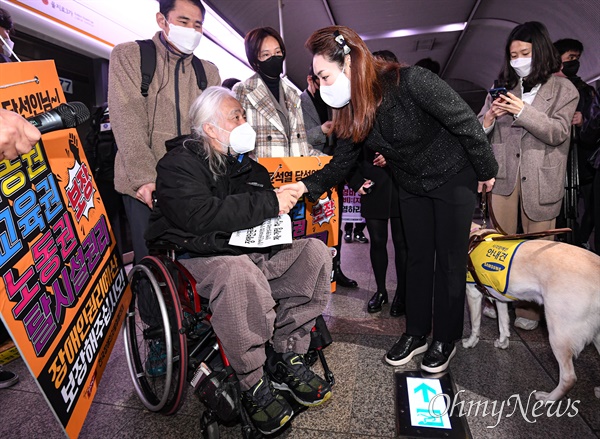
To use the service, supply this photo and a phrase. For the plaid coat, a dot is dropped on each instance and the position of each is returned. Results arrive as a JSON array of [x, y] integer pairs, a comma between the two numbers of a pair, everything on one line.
[[261, 114]]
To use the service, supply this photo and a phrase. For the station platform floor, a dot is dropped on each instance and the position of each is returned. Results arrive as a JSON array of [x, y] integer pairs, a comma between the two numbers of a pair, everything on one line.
[[362, 405]]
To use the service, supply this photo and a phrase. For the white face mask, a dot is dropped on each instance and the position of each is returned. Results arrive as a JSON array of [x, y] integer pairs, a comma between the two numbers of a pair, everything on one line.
[[8, 51], [185, 39], [337, 94], [241, 139], [522, 66]]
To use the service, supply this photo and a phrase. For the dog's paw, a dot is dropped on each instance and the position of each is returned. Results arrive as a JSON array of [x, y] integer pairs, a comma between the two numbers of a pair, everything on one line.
[[542, 396], [470, 342], [597, 392], [501, 344]]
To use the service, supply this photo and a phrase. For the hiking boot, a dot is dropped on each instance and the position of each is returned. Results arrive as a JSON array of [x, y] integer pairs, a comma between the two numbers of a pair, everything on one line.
[[268, 410], [289, 372], [156, 363]]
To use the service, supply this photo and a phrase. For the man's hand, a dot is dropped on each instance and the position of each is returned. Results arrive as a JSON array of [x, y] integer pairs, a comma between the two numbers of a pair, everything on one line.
[[144, 193], [487, 185], [17, 136], [287, 200], [577, 119]]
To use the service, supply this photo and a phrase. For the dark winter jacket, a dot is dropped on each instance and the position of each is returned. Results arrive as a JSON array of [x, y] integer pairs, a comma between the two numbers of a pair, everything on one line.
[[199, 213]]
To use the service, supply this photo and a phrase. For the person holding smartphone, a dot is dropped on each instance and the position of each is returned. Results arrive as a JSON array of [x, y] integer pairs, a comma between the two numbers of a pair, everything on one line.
[[529, 129]]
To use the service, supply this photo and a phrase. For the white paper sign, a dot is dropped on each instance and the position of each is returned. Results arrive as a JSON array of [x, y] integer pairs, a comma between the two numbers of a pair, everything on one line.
[[427, 410], [274, 231]]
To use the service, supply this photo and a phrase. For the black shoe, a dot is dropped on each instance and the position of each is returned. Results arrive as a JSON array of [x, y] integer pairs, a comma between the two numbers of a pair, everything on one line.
[[7, 378], [342, 280], [405, 348], [376, 301], [360, 237], [438, 356], [348, 237], [398, 307], [268, 409], [289, 372]]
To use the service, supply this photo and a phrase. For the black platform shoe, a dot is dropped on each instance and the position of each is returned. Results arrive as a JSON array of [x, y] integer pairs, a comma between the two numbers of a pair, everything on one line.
[[398, 307], [405, 348], [348, 237], [438, 356], [378, 299]]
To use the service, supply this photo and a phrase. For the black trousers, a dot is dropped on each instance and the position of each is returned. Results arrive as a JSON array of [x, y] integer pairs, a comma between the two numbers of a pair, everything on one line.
[[437, 227]]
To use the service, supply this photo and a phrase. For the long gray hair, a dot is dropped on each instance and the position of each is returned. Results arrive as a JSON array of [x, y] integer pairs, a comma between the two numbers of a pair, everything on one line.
[[206, 109]]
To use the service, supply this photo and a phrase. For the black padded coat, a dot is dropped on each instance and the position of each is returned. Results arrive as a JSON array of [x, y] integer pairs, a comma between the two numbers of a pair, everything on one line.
[[198, 212]]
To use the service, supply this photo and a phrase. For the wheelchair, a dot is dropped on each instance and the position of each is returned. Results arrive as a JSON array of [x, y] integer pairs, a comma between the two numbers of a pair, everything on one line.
[[170, 346]]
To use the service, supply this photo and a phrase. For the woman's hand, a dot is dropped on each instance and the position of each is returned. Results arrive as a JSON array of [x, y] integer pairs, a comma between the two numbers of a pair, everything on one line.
[[379, 160], [326, 127], [367, 184], [298, 189], [511, 104], [487, 185], [494, 112]]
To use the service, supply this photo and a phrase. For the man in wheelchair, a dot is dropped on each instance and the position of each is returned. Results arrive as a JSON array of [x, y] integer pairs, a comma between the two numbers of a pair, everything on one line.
[[263, 303]]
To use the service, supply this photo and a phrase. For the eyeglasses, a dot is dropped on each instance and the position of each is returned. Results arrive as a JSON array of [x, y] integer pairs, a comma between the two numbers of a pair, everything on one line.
[[265, 55]]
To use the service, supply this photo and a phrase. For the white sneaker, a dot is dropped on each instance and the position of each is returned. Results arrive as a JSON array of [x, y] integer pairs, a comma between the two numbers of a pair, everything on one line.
[[490, 311], [526, 324]]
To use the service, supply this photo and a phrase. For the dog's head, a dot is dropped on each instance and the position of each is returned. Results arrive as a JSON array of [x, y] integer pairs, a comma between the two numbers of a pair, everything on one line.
[[476, 230]]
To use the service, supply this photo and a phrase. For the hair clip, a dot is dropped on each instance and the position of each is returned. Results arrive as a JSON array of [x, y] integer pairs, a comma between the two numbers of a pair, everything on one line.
[[339, 38]]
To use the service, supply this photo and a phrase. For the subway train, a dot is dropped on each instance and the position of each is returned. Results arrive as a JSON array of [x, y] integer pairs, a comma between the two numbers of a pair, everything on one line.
[[488, 389]]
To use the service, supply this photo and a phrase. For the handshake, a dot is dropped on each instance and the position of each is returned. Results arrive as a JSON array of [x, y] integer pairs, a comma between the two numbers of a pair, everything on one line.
[[288, 196]]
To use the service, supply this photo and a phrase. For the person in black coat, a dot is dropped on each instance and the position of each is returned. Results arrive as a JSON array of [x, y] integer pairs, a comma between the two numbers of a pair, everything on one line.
[[263, 303], [439, 157]]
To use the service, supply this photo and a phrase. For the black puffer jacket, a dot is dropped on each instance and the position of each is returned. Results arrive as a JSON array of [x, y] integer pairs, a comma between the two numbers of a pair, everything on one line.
[[199, 213]]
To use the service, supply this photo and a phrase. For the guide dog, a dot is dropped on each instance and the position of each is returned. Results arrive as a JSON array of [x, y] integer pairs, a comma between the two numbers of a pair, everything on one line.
[[566, 280]]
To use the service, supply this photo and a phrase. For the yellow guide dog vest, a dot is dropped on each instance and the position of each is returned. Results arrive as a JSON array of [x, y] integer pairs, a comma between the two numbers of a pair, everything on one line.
[[492, 261]]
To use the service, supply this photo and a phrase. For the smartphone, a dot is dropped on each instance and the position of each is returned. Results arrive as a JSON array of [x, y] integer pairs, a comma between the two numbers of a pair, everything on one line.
[[496, 92]]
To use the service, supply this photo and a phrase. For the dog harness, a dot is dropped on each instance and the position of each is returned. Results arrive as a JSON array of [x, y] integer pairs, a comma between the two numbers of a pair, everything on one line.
[[491, 261]]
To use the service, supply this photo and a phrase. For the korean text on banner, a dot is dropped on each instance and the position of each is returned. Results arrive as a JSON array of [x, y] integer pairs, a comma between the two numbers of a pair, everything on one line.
[[64, 292]]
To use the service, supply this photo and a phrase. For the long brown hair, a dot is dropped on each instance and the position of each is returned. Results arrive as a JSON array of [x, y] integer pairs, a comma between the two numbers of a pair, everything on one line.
[[356, 119]]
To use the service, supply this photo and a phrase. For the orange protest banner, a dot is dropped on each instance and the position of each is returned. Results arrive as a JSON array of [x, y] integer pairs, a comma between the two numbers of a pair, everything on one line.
[[64, 291], [320, 220]]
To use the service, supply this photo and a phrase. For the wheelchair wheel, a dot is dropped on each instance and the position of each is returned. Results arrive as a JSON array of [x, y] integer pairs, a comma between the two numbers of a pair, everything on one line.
[[155, 349]]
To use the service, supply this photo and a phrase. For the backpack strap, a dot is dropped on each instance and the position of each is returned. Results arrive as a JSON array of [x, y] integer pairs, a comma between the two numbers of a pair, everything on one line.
[[148, 64], [200, 73]]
